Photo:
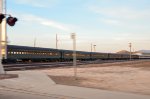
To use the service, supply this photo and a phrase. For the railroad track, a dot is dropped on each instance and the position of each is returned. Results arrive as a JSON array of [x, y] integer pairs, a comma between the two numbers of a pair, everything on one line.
[[28, 66]]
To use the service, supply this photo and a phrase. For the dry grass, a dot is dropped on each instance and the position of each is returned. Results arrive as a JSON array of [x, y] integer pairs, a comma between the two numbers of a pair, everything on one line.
[[122, 76]]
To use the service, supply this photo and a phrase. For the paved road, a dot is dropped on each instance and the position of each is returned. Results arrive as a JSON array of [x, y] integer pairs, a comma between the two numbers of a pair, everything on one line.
[[6, 93]]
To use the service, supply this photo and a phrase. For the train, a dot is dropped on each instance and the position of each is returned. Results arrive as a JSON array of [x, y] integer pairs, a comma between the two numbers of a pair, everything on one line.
[[16, 53]]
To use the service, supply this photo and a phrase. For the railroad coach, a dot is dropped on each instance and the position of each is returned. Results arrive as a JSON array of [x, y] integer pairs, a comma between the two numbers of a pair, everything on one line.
[[125, 56], [96, 55], [67, 55], [135, 57], [24, 53], [115, 56]]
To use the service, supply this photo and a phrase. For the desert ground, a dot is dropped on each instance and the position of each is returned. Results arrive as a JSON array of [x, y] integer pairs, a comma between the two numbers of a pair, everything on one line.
[[130, 76]]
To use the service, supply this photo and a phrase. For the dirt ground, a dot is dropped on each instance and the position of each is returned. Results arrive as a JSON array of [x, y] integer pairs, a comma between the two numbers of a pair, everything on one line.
[[132, 76]]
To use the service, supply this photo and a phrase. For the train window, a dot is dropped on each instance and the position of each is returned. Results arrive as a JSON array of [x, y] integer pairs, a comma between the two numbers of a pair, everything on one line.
[[55, 53], [67, 54], [9, 52], [23, 52], [50, 53]]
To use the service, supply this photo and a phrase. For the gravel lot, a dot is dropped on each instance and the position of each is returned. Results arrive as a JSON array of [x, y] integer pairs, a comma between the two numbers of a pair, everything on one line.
[[132, 76]]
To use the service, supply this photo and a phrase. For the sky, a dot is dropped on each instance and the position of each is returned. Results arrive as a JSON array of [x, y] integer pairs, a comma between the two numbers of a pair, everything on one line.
[[109, 24]]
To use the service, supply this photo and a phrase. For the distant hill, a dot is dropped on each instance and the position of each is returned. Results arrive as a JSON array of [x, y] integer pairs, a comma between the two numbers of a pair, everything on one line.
[[127, 52], [144, 51], [123, 52]]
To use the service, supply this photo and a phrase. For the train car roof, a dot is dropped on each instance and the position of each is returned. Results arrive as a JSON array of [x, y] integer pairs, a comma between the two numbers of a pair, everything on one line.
[[29, 48], [40, 48], [37, 48], [52, 49]]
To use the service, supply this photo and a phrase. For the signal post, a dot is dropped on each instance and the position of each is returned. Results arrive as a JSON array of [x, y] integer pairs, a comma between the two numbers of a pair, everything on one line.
[[1, 11], [3, 36], [73, 36]]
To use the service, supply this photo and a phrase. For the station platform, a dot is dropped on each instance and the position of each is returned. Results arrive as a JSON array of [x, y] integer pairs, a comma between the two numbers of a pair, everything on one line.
[[37, 85]]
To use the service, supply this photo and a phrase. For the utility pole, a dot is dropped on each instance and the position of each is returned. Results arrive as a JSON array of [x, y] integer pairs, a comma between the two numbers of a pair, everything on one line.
[[94, 48], [73, 36], [130, 45], [35, 42], [1, 66], [91, 47], [56, 42]]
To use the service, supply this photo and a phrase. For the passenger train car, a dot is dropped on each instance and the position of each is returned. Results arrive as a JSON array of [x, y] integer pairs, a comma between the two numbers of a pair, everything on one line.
[[36, 54]]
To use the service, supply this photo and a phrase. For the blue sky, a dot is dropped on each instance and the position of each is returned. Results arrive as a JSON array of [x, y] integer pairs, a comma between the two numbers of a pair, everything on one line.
[[109, 24]]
